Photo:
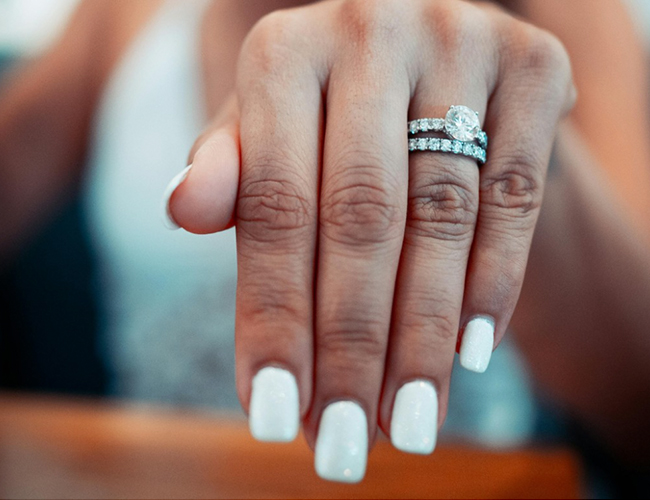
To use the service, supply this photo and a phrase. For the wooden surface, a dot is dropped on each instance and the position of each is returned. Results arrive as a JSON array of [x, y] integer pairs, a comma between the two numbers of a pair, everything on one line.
[[51, 448]]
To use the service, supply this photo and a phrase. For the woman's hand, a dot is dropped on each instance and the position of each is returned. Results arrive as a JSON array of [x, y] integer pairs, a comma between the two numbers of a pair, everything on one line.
[[358, 265]]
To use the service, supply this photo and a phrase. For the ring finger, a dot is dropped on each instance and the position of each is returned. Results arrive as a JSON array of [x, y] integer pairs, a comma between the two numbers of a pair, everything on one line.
[[442, 213]]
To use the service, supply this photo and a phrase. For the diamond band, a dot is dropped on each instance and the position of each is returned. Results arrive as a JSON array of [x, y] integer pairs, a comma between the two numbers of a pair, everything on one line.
[[438, 125], [461, 123], [449, 146]]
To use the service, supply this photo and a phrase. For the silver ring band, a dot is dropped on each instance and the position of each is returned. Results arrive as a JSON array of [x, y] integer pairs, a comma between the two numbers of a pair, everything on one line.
[[449, 146], [438, 125], [461, 123]]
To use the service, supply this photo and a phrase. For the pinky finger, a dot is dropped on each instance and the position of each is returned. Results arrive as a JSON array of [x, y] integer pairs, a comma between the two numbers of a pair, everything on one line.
[[523, 116], [201, 199]]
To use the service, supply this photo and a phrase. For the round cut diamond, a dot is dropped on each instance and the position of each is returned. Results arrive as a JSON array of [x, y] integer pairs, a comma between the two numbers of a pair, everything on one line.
[[462, 123]]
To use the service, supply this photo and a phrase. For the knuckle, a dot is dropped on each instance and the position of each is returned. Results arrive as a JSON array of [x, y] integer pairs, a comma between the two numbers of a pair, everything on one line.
[[473, 23], [360, 338], [273, 207], [444, 24], [542, 63], [517, 188], [444, 208], [277, 26], [361, 205], [464, 33], [542, 52], [454, 25], [274, 40], [369, 22]]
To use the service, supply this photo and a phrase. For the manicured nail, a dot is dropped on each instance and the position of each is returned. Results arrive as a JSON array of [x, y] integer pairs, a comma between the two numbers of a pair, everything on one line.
[[168, 220], [414, 424], [274, 413], [342, 443], [477, 344]]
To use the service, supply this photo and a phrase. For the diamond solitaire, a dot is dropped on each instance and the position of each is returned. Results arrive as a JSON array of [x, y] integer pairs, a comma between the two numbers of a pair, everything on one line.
[[462, 123]]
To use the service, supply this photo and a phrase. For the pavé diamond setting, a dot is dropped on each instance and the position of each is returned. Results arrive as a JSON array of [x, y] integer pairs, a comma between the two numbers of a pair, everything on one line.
[[448, 146], [462, 127]]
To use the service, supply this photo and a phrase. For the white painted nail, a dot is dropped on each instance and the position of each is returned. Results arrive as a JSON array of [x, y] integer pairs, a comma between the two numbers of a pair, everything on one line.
[[414, 424], [342, 443], [477, 344], [168, 220], [274, 413]]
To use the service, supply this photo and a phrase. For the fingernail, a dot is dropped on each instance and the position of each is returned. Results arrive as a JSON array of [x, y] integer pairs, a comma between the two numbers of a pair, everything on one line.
[[168, 220], [274, 413], [414, 424], [477, 344], [342, 443]]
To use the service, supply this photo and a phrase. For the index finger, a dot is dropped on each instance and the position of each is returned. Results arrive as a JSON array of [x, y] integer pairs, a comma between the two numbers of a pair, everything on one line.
[[276, 230]]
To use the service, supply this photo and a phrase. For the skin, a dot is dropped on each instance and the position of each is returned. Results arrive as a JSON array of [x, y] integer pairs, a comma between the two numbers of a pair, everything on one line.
[[582, 203], [406, 252]]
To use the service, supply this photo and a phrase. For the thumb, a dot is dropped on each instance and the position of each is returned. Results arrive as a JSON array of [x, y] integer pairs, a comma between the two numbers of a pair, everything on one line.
[[201, 199]]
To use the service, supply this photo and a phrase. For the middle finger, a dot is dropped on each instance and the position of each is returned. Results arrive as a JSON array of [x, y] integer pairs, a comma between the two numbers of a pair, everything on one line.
[[362, 215]]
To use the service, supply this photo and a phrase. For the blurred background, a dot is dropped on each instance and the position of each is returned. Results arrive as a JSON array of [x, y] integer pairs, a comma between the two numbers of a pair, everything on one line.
[[53, 307], [48, 311]]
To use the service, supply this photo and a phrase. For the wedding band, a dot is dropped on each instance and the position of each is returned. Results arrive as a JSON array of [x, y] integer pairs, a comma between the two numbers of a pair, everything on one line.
[[461, 123], [449, 146]]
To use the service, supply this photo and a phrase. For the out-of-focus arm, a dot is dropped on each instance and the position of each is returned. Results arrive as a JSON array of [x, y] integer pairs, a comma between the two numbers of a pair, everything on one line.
[[46, 111], [612, 113], [583, 320]]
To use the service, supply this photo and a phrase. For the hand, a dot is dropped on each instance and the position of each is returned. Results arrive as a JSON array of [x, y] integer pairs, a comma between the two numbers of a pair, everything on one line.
[[358, 265]]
